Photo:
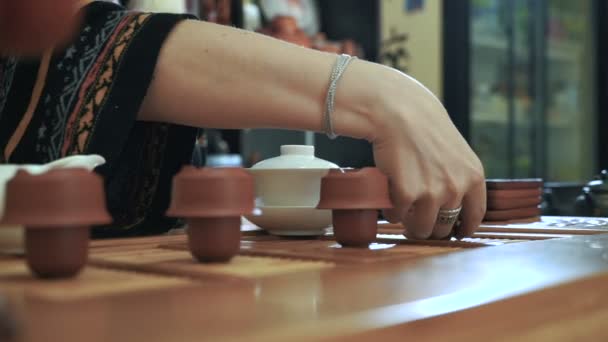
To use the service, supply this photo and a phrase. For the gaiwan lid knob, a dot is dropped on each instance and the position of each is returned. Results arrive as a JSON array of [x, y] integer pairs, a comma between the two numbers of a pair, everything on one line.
[[295, 157]]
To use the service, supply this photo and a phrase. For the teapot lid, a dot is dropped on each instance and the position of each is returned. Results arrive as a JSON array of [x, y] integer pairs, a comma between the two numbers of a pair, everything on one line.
[[599, 184], [295, 157]]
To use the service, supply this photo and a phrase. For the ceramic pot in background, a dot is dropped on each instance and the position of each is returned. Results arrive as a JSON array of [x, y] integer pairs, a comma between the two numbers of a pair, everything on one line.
[[593, 199], [559, 198]]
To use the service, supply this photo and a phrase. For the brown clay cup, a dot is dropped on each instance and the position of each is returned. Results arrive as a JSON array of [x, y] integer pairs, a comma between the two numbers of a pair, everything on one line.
[[212, 200], [57, 209], [354, 197]]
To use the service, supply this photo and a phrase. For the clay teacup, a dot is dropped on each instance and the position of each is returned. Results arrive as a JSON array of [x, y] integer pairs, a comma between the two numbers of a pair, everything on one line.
[[212, 200], [12, 236], [355, 197], [57, 209]]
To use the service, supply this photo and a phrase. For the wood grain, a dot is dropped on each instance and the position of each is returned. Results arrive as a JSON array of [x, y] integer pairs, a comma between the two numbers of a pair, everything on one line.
[[571, 312], [546, 290], [179, 262], [91, 283], [331, 251]]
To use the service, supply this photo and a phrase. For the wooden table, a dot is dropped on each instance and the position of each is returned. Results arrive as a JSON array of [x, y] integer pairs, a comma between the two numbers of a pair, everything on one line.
[[534, 281]]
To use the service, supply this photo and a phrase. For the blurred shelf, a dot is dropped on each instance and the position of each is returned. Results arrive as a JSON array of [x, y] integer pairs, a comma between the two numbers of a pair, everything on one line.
[[488, 119], [557, 51]]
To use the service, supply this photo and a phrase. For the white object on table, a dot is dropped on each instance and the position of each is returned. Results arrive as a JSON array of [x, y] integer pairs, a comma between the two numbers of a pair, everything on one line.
[[287, 190]]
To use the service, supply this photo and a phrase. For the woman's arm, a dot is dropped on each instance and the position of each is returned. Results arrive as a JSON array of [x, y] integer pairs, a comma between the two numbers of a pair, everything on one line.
[[215, 76], [209, 75]]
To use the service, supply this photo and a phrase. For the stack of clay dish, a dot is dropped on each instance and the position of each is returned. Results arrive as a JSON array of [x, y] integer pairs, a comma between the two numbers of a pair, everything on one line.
[[355, 196], [212, 201], [57, 209], [513, 199], [287, 192]]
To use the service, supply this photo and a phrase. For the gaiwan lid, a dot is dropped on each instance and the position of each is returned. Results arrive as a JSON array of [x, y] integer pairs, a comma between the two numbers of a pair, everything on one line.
[[295, 157]]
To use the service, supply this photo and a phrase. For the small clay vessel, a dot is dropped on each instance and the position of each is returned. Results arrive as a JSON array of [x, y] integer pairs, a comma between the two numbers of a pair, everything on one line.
[[212, 200], [355, 197], [57, 209]]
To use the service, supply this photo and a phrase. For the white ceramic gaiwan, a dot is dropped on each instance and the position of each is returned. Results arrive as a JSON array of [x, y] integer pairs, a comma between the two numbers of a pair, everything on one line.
[[12, 237], [292, 179], [287, 191]]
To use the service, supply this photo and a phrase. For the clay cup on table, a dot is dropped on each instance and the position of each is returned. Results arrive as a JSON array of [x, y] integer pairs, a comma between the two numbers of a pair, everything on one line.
[[212, 200], [287, 190], [57, 209], [12, 236], [354, 196]]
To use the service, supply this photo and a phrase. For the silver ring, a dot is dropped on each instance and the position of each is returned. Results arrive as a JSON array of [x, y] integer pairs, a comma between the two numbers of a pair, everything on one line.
[[448, 216]]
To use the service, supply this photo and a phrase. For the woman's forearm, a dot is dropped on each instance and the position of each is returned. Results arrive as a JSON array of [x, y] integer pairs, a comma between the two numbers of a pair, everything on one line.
[[214, 76]]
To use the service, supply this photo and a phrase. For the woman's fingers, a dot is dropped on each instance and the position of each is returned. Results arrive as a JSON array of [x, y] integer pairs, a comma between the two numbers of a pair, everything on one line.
[[435, 212], [429, 204], [449, 213], [420, 221], [427, 218], [402, 199], [473, 209]]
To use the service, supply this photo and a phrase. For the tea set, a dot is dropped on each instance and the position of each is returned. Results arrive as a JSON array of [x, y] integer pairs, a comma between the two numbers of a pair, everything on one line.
[[294, 194]]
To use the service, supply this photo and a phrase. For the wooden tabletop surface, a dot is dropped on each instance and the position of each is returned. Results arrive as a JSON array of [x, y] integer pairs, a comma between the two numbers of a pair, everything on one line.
[[150, 289]]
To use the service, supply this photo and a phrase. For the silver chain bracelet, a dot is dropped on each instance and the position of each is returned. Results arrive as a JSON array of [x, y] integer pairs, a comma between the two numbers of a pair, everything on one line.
[[340, 66]]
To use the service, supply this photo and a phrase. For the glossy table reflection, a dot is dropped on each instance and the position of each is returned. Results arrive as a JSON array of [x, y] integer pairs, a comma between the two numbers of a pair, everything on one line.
[[545, 290]]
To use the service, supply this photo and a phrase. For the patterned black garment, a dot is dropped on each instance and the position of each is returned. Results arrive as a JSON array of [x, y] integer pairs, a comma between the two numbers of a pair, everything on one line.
[[84, 100]]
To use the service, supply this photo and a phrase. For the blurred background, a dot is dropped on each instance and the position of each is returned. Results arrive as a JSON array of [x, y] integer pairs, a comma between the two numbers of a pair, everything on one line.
[[524, 80]]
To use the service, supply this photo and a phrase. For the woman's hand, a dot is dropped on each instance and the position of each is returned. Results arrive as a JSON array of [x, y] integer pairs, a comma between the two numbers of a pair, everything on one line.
[[214, 76], [429, 164]]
